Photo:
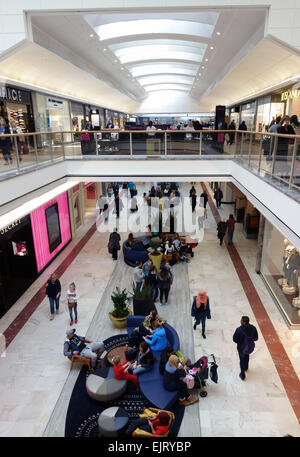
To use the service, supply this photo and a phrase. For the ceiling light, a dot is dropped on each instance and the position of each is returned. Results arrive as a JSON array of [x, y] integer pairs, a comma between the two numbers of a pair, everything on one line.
[[91, 35], [116, 60], [211, 47], [104, 49], [206, 60], [218, 33], [203, 67]]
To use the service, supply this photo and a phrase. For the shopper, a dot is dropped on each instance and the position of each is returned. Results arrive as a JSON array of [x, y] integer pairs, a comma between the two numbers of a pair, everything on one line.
[[274, 125], [53, 290], [172, 380], [157, 340], [221, 227], [164, 357], [79, 345], [101, 203], [5, 143], [118, 206], [152, 280], [156, 425], [147, 266], [131, 187], [200, 310], [164, 284], [15, 129], [138, 275], [232, 126], [192, 189], [243, 126], [218, 195], [72, 299], [230, 228], [114, 244], [193, 201], [284, 128], [121, 371], [133, 205], [244, 337], [144, 361], [205, 198]]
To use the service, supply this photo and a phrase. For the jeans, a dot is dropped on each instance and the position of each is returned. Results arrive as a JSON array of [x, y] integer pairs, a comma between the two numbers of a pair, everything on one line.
[[154, 293], [138, 370], [71, 312], [244, 363], [138, 285], [229, 236], [218, 201], [138, 423], [164, 292], [88, 352], [201, 318], [52, 300]]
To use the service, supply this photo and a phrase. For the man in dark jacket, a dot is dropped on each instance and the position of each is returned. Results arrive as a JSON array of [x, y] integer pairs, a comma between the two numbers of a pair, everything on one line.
[[205, 198], [114, 244], [53, 290], [218, 195], [239, 337], [221, 227]]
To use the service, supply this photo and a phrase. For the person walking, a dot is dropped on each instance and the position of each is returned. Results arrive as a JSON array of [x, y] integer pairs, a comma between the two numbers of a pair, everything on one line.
[[131, 187], [221, 227], [200, 310], [72, 298], [164, 284], [101, 203], [230, 228], [118, 206], [193, 200], [133, 204], [218, 195], [152, 280], [205, 198], [192, 189], [244, 337], [138, 275], [114, 244], [53, 290]]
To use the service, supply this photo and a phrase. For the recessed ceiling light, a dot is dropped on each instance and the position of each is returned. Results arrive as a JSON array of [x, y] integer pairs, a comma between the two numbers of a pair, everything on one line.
[[122, 68], [212, 48], [91, 35], [116, 61], [206, 60], [218, 33], [104, 49], [203, 68]]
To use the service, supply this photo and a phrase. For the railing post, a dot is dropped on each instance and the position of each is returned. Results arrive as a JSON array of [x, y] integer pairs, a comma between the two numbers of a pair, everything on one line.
[[63, 146], [165, 143], [96, 140], [274, 155], [35, 149], [51, 147], [260, 153], [293, 162], [17, 152], [242, 146], [250, 149], [200, 143], [130, 142], [235, 143]]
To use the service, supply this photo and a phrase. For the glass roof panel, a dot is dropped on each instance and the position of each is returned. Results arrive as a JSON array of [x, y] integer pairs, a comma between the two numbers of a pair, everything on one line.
[[145, 26], [165, 78], [156, 52], [195, 46], [182, 69], [153, 87]]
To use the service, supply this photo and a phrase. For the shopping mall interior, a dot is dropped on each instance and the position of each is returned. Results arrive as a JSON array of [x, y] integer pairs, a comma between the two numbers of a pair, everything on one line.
[[150, 219]]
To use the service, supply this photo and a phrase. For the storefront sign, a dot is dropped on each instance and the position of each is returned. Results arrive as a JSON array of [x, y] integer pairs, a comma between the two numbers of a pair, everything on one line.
[[15, 95], [55, 103], [290, 94], [10, 227]]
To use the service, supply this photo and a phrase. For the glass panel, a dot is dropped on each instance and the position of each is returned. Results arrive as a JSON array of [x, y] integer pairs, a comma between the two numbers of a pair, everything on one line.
[[154, 87], [183, 143], [155, 52], [165, 78], [25, 146], [182, 69], [296, 174], [280, 269], [148, 143]]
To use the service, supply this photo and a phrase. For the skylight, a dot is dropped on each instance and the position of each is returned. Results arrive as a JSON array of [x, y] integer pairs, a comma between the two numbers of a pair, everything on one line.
[[154, 87], [156, 52], [165, 78], [147, 26], [180, 69]]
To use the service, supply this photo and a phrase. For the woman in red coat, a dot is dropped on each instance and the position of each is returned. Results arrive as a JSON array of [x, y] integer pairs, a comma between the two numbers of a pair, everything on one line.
[[120, 371]]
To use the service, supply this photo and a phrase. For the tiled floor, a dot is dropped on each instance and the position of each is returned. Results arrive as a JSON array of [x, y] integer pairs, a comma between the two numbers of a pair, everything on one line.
[[34, 371]]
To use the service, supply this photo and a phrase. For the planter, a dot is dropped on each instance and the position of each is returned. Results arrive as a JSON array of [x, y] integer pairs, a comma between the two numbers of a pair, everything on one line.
[[143, 306], [119, 322], [156, 259]]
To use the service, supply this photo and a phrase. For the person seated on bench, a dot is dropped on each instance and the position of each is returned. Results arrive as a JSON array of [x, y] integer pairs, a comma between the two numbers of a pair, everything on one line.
[[157, 425], [79, 345], [158, 340], [145, 328], [120, 371], [179, 247], [132, 241], [164, 357], [144, 360], [174, 371]]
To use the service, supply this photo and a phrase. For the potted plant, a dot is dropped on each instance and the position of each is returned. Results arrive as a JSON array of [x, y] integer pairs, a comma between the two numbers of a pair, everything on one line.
[[155, 253], [142, 300], [120, 312]]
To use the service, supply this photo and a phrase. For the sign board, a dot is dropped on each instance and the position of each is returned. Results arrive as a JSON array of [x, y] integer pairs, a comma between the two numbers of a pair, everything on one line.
[[55, 103], [290, 94]]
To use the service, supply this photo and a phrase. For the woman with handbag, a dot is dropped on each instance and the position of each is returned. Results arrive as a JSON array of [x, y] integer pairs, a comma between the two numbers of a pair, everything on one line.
[[72, 297], [201, 310]]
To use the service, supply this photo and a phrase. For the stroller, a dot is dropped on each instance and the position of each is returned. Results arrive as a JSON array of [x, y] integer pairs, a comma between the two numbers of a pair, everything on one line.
[[207, 369]]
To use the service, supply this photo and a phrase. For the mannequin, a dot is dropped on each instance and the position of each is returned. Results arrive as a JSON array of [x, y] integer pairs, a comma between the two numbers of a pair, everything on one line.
[[287, 249]]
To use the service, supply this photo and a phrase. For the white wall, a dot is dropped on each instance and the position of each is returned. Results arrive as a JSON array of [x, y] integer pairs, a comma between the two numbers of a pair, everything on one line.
[[284, 18]]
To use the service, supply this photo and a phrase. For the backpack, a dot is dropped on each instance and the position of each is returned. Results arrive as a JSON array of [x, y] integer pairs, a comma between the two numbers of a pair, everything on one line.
[[213, 372], [249, 344]]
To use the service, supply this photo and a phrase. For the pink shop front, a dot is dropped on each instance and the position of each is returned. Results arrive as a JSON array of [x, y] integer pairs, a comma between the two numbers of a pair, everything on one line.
[[28, 246]]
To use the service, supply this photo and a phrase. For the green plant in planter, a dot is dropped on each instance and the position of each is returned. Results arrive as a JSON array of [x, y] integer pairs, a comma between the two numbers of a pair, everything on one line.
[[142, 293], [120, 300], [154, 244]]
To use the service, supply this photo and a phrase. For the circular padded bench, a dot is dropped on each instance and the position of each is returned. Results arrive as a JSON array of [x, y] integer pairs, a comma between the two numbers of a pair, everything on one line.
[[112, 421], [105, 389]]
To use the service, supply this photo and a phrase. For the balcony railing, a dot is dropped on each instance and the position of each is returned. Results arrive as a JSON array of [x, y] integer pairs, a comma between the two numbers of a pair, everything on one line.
[[271, 156]]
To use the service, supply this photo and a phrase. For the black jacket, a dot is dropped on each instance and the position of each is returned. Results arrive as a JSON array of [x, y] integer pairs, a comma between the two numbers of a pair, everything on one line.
[[239, 335], [53, 288], [205, 197], [222, 227], [218, 195], [114, 241], [146, 360], [171, 380]]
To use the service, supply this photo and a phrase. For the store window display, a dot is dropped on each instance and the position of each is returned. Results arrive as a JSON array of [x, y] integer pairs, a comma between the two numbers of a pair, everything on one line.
[[280, 269]]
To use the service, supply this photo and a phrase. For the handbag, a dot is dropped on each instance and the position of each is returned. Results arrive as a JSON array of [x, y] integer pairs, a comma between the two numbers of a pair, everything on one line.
[[71, 304], [85, 137]]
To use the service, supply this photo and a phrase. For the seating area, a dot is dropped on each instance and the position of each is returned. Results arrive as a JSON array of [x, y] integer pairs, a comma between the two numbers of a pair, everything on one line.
[[137, 253]]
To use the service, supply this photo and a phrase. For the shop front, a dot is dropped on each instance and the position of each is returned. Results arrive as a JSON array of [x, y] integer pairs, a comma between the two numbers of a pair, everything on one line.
[[96, 116], [248, 113], [77, 116], [16, 104], [268, 109], [280, 270], [54, 116]]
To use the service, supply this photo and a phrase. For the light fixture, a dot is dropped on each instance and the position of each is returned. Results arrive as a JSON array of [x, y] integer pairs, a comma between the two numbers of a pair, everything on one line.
[[116, 60], [104, 49], [202, 67], [91, 35], [212, 48], [206, 60], [218, 33]]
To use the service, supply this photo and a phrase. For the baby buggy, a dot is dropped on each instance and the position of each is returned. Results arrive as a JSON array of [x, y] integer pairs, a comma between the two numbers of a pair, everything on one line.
[[208, 368]]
